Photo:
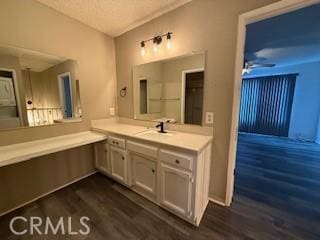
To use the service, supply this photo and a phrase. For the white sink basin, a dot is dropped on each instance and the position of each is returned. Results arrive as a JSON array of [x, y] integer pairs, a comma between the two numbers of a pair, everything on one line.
[[153, 134]]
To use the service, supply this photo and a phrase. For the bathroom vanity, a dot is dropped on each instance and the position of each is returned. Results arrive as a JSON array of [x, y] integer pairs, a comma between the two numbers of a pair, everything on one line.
[[170, 169]]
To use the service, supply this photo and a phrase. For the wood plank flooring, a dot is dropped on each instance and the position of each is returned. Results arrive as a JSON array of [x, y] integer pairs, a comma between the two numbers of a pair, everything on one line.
[[281, 174], [268, 204]]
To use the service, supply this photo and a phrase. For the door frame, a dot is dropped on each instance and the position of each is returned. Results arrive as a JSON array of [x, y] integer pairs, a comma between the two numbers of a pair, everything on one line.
[[259, 14], [183, 90], [61, 92], [140, 79], [17, 94]]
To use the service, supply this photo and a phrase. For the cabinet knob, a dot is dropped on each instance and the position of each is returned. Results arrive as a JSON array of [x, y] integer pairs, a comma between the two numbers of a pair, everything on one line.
[[177, 161], [153, 170], [122, 158]]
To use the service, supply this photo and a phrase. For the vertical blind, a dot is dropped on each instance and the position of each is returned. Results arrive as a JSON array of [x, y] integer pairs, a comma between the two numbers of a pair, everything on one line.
[[266, 104]]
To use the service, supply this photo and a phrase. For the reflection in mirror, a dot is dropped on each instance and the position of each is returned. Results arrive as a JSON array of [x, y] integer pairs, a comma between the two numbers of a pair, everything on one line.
[[37, 89], [170, 90], [143, 96]]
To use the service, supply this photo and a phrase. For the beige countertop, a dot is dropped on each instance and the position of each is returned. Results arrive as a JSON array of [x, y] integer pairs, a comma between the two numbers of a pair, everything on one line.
[[15, 153], [189, 141]]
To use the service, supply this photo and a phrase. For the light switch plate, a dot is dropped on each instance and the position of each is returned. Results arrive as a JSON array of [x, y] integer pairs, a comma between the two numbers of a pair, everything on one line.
[[112, 111], [209, 117]]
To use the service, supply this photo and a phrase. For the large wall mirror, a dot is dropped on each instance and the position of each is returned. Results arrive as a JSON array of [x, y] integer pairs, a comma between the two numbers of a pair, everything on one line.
[[170, 90], [37, 89]]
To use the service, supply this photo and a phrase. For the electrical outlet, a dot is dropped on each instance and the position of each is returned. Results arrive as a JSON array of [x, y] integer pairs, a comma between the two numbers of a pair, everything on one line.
[[209, 117], [112, 111]]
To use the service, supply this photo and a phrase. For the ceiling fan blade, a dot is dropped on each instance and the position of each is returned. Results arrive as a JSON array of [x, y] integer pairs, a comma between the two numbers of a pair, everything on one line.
[[262, 65]]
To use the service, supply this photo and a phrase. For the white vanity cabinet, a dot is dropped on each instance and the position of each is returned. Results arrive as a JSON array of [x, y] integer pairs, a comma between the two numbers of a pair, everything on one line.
[[174, 178], [116, 159], [118, 162], [144, 170], [101, 153], [177, 182], [176, 190]]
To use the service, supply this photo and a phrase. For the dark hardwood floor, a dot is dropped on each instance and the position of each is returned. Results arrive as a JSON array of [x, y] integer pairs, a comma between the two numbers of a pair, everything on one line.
[[283, 175], [269, 203]]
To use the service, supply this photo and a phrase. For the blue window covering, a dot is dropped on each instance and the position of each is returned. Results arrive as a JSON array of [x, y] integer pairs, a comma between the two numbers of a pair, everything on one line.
[[266, 104]]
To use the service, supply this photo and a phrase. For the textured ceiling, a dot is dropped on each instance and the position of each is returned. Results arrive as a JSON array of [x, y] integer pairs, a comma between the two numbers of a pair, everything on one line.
[[38, 62], [113, 17], [288, 39]]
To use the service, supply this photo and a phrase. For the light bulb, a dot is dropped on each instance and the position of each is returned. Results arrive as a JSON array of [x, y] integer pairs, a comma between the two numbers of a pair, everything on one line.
[[155, 47], [143, 49], [169, 44]]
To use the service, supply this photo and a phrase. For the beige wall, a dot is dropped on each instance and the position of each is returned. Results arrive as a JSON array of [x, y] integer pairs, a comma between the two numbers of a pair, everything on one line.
[[202, 25], [45, 90], [28, 24]]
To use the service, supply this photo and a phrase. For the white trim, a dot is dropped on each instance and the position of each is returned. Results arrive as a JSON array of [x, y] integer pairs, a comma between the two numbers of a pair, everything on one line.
[[61, 92], [183, 90], [269, 11], [217, 201], [45, 194], [16, 92]]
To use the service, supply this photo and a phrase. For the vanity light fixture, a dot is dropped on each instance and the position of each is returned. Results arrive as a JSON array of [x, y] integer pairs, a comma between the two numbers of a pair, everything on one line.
[[156, 41]]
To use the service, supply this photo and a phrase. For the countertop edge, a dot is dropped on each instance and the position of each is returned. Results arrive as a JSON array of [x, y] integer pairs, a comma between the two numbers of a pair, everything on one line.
[[197, 150], [38, 153]]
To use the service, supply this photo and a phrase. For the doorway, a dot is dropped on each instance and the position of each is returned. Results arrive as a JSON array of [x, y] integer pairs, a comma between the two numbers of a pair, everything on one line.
[[245, 19], [65, 93], [193, 84], [278, 154]]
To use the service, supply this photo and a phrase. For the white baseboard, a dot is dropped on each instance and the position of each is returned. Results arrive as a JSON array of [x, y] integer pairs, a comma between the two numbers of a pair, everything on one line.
[[217, 202], [45, 194]]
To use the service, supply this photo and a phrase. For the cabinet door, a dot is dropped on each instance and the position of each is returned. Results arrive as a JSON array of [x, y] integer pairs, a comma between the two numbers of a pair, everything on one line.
[[176, 187], [101, 156], [144, 174], [118, 164]]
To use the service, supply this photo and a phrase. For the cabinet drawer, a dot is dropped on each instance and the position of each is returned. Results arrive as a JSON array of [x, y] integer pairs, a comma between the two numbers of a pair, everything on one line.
[[146, 150], [118, 142], [177, 159]]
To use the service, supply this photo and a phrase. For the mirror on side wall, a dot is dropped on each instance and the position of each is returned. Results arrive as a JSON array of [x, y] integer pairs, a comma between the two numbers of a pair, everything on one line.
[[170, 90], [37, 89]]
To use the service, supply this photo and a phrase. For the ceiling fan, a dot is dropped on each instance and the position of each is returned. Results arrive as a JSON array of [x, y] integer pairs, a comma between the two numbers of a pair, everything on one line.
[[248, 66]]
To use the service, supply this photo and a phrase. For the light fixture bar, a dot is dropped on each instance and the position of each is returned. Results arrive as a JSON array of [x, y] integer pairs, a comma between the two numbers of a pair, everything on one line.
[[156, 41]]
